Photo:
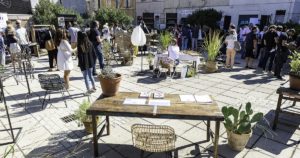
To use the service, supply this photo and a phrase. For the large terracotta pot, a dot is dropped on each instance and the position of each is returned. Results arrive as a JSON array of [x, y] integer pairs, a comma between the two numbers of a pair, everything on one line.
[[237, 142], [211, 66], [110, 87], [294, 82]]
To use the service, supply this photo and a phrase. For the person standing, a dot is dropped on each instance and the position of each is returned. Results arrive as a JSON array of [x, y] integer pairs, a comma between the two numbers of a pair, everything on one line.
[[64, 55], [230, 51], [52, 52], [281, 53], [73, 30], [86, 60], [195, 35], [94, 36], [269, 40], [12, 43], [243, 33], [21, 34], [250, 46], [2, 49]]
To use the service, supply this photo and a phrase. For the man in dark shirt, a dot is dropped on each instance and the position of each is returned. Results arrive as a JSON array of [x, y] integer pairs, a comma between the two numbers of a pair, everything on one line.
[[270, 45], [250, 46], [195, 34], [94, 36], [282, 52]]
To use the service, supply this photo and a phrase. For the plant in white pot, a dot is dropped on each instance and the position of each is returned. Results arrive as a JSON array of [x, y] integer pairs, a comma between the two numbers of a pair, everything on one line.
[[212, 44], [85, 119], [238, 124], [295, 71]]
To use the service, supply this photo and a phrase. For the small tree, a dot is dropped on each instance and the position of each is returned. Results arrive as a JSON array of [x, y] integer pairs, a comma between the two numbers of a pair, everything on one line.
[[113, 15], [46, 11], [208, 17]]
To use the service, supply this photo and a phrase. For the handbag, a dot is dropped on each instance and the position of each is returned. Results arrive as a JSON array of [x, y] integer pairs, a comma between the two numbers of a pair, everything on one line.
[[237, 46], [49, 44]]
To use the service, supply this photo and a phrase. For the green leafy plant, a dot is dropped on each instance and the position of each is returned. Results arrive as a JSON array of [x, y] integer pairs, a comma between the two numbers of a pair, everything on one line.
[[212, 44], [240, 121], [80, 114], [106, 49], [113, 15], [295, 63], [165, 39], [46, 13]]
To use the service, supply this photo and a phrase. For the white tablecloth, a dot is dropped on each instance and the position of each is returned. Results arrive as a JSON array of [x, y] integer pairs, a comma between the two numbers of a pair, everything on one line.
[[182, 57]]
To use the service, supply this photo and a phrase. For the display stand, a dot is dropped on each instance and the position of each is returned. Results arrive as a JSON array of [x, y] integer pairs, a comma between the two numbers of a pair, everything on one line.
[[4, 101]]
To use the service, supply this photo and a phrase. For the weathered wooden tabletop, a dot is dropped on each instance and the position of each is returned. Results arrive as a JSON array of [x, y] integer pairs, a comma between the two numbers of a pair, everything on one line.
[[113, 106]]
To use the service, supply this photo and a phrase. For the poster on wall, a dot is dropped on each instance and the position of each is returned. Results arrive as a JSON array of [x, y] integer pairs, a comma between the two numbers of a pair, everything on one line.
[[254, 21], [3, 19], [61, 21]]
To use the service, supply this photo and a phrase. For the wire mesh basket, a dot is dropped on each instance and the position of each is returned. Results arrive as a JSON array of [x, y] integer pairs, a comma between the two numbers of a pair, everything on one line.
[[153, 138]]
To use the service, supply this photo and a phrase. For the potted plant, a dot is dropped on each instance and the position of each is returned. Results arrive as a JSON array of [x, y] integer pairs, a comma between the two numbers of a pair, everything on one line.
[[150, 61], [165, 39], [85, 119], [238, 124], [212, 44], [110, 81], [295, 71]]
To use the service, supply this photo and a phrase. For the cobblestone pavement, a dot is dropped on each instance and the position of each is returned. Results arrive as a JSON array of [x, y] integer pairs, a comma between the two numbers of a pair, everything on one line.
[[42, 133]]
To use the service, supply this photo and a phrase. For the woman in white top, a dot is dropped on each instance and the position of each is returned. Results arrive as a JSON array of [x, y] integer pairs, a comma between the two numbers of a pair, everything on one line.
[[64, 55], [174, 51], [230, 51]]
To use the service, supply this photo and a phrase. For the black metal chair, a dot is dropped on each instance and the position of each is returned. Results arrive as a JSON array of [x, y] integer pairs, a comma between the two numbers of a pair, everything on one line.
[[52, 82]]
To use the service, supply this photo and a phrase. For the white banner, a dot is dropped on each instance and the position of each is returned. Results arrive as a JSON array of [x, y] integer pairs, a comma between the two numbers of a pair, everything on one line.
[[3, 19]]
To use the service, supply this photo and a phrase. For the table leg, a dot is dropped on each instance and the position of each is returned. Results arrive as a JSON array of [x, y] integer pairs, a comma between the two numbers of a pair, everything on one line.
[[208, 131], [95, 139], [216, 143], [277, 111], [107, 125]]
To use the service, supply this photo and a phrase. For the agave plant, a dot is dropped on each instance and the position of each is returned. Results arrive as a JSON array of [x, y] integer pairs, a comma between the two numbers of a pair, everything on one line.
[[212, 44]]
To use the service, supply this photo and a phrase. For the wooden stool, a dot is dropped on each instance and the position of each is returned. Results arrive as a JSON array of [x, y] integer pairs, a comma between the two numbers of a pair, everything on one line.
[[288, 94]]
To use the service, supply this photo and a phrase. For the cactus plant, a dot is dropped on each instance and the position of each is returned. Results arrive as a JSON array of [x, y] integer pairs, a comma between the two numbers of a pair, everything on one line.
[[240, 121]]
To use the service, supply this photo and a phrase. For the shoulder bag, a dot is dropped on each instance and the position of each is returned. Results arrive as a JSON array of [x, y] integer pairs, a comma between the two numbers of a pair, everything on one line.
[[49, 44]]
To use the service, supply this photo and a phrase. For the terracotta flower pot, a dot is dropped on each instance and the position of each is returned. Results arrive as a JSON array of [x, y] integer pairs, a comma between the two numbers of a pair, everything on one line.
[[294, 82], [211, 66], [237, 142], [110, 87]]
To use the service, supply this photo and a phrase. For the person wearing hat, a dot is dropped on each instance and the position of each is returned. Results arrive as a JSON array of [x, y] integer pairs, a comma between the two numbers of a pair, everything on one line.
[[230, 51]]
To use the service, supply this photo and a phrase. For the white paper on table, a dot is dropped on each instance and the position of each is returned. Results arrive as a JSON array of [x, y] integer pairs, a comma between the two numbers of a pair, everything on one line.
[[203, 99], [159, 102], [187, 98], [134, 101]]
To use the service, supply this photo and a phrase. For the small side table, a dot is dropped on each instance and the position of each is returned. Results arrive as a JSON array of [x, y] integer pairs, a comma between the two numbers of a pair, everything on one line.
[[287, 94]]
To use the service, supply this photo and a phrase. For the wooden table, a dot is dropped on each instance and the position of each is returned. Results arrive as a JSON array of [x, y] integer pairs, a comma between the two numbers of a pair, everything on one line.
[[288, 94], [113, 106]]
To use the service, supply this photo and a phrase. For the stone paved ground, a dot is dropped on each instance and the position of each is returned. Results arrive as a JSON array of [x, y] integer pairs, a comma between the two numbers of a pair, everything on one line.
[[41, 133]]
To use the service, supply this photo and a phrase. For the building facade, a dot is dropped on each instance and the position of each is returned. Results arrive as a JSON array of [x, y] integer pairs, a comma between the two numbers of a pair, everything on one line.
[[170, 12]]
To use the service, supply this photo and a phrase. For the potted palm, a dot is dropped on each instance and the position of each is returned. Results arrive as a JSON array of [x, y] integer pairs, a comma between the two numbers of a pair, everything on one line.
[[109, 80], [165, 40], [238, 124], [212, 44], [85, 119], [295, 71]]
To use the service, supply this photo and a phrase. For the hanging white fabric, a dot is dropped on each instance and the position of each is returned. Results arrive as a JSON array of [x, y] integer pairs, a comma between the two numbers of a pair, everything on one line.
[[138, 37]]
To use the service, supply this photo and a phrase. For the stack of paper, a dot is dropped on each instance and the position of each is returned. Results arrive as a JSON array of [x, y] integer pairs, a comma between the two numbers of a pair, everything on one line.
[[159, 102], [134, 101], [187, 98], [145, 94], [203, 99], [158, 95]]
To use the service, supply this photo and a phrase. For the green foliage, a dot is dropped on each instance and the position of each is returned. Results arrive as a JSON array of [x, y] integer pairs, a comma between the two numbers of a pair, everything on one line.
[[46, 13], [107, 72], [113, 15], [295, 63], [240, 122], [208, 17], [106, 48], [212, 44], [165, 39], [81, 112]]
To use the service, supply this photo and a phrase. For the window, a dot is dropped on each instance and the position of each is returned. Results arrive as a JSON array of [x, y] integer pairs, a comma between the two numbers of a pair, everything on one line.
[[128, 4], [279, 16]]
